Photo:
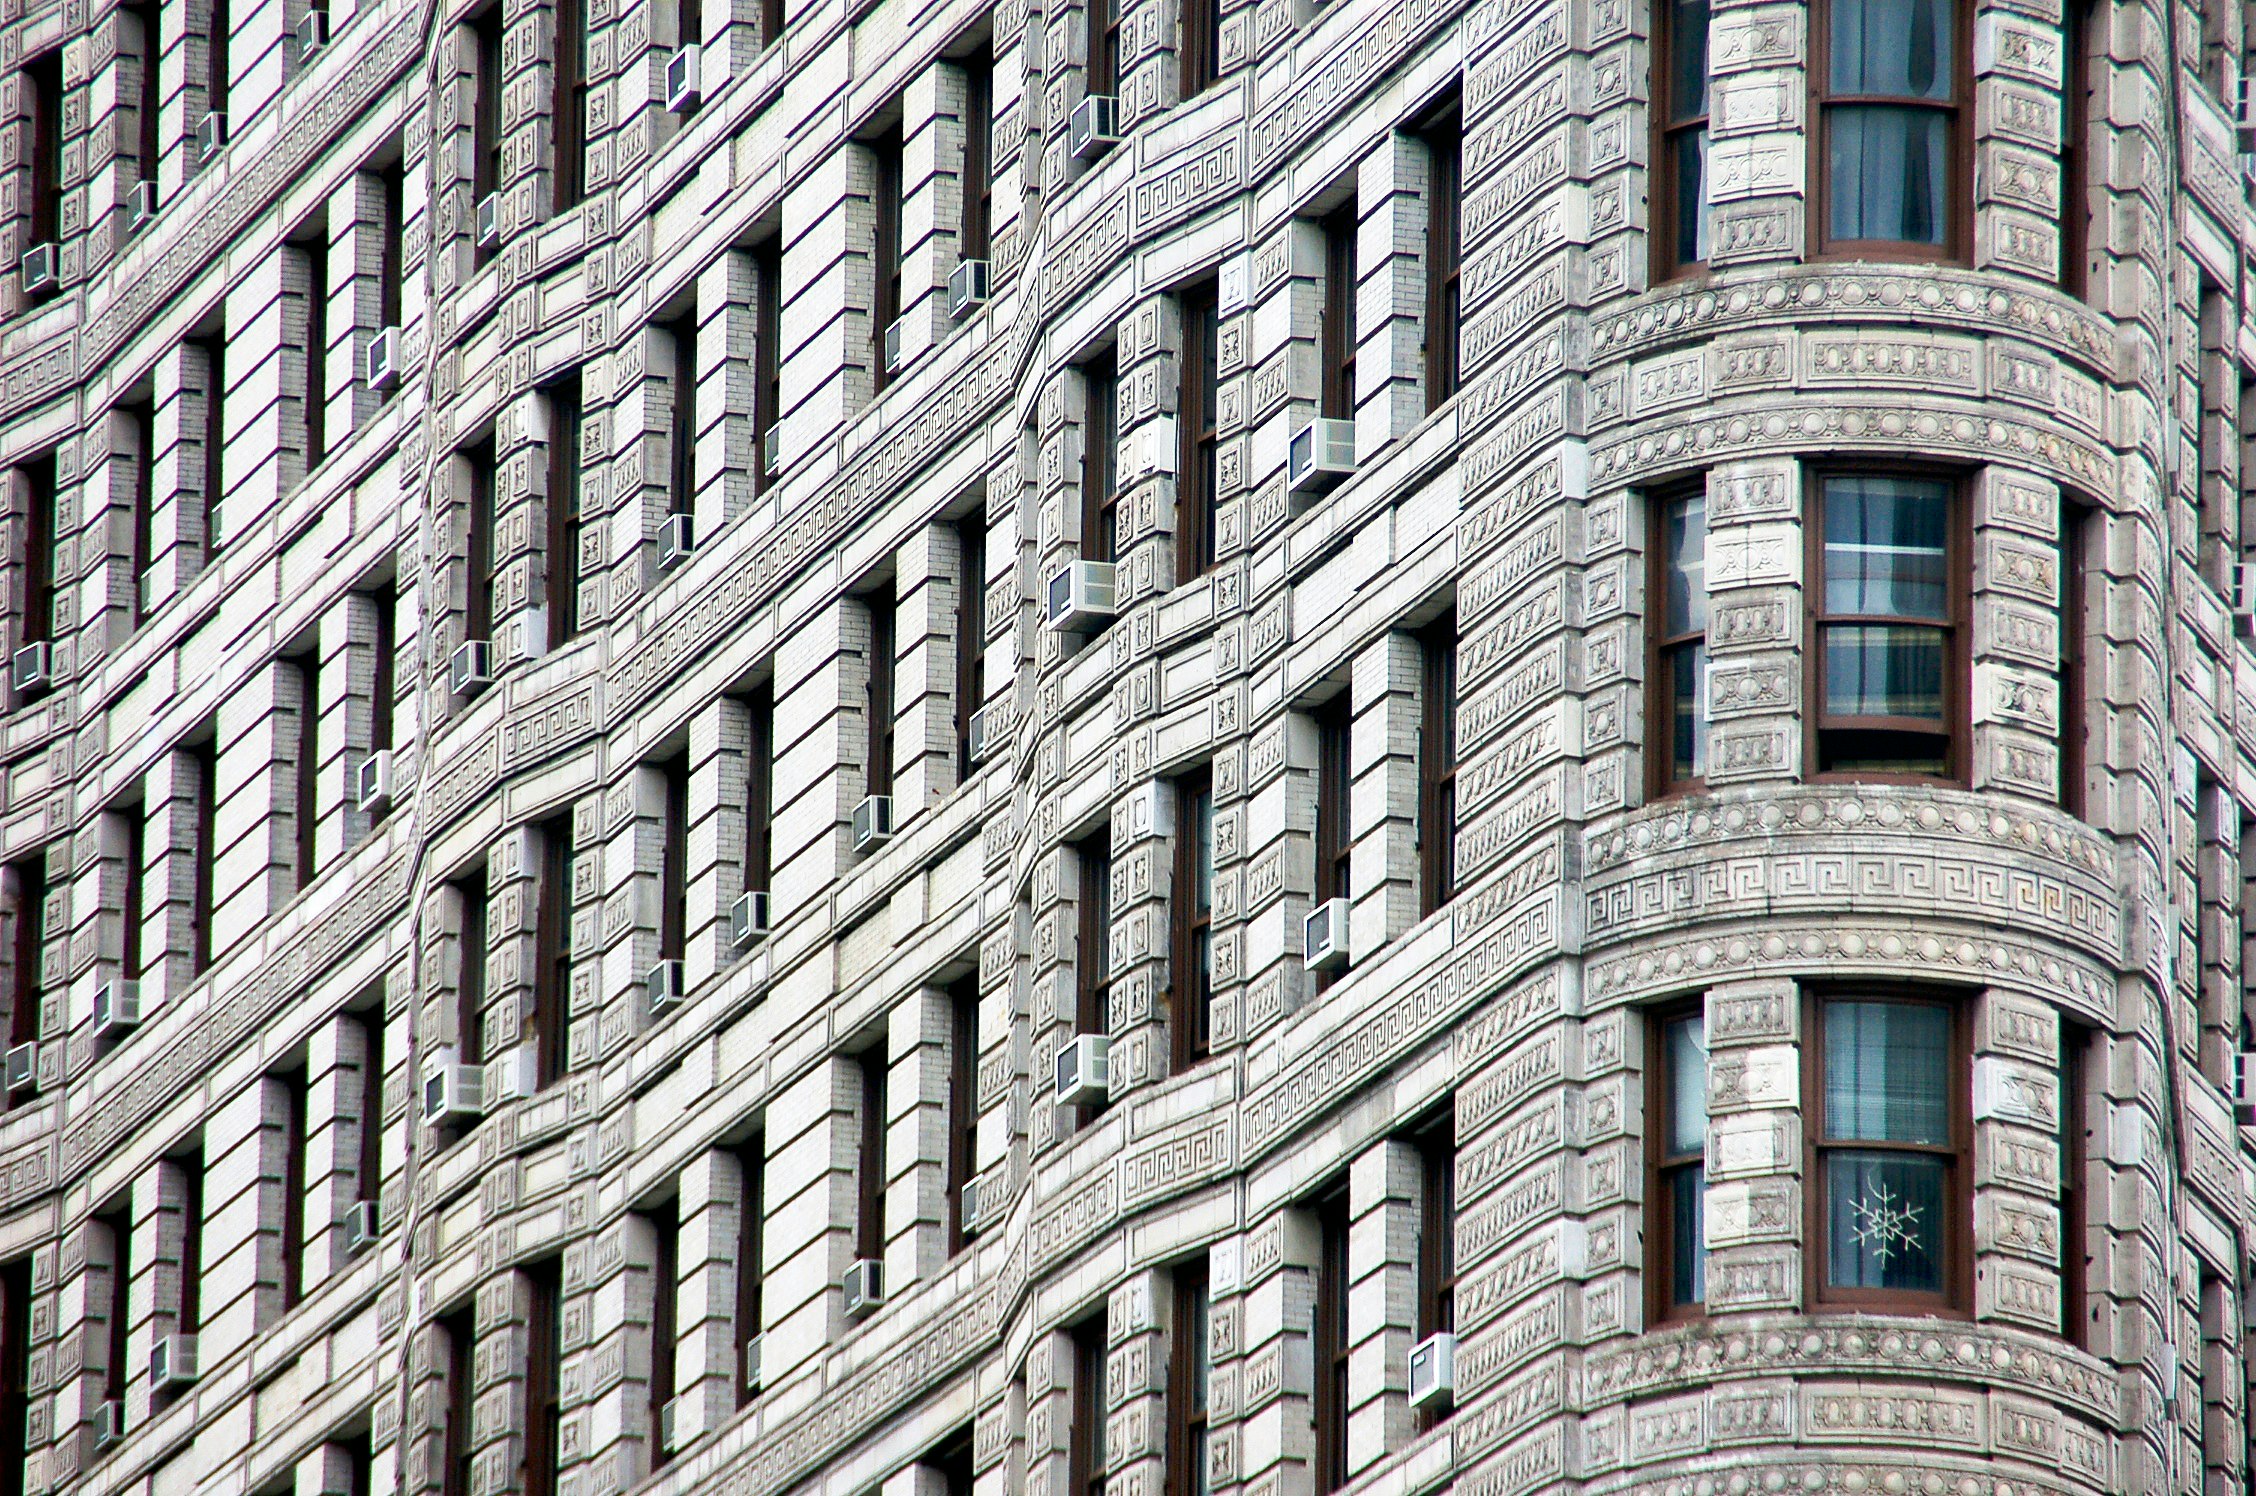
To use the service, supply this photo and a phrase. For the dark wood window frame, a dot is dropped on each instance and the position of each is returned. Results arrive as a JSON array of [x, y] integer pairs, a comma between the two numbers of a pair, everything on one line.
[[2079, 522], [542, 1445], [1197, 394], [472, 895], [1339, 228], [1957, 195], [1198, 42], [148, 92], [552, 977], [459, 1450], [564, 508], [1335, 784], [383, 702], [2082, 22], [203, 759], [665, 1290], [887, 233], [296, 1095], [314, 248], [1189, 1374], [132, 819], [1663, 1165], [1191, 921], [478, 541], [759, 788], [1956, 1301], [751, 1223], [1671, 256], [971, 629], [371, 1140], [1092, 959], [305, 768], [1100, 457], [141, 419], [1086, 1452], [880, 608], [1333, 1340], [978, 184], [681, 486], [1101, 76], [869, 1215], [1444, 135], [2076, 1045], [1958, 686], [1437, 763], [963, 1100], [117, 1374], [673, 868], [1664, 647], [767, 359], [211, 349], [569, 170], [485, 116]]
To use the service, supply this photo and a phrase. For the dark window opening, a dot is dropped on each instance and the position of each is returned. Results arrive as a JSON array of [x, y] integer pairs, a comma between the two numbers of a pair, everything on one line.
[[1445, 209], [15, 1374], [478, 542], [1680, 118], [201, 762], [38, 489], [571, 105], [673, 869], [886, 248], [681, 339], [43, 106], [1086, 1454], [979, 154], [963, 1100], [306, 767], [1189, 1372], [1191, 906], [1195, 477], [552, 940], [759, 788], [971, 630], [1100, 459], [1677, 1098], [565, 505], [1198, 46], [141, 430], [665, 1285], [544, 1354], [751, 1163], [1677, 754], [869, 1219], [1332, 1341], [460, 1333], [314, 391], [470, 987], [1338, 336], [1437, 764], [878, 693], [1103, 74], [292, 1084], [1092, 963], [767, 328]]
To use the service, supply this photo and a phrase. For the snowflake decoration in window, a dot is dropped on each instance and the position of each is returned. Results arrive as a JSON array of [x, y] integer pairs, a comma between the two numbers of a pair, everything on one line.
[[1885, 1224]]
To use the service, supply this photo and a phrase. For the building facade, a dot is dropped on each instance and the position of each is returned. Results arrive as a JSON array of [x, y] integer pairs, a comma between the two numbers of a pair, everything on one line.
[[1125, 747]]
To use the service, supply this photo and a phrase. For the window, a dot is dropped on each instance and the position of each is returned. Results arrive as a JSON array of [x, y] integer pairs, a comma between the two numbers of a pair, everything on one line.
[[117, 1229], [485, 120], [188, 1319], [1198, 49], [571, 105], [752, 1172], [1890, 89], [689, 22], [2077, 521], [771, 22], [767, 327], [1437, 763], [148, 89], [141, 430], [2083, 23], [218, 71], [304, 675], [470, 985], [544, 1355], [878, 691], [28, 883], [1335, 783], [383, 691], [36, 485], [886, 242], [15, 1373], [1092, 962], [1888, 1154], [2075, 1158], [1677, 750], [1332, 1341], [370, 1022], [971, 629], [869, 1220], [1189, 1369], [1102, 17], [43, 129], [1889, 658], [681, 342], [759, 787], [200, 761], [129, 820], [1680, 117], [673, 867], [1195, 435], [963, 1099], [208, 356], [1445, 209], [478, 538], [291, 1089], [1436, 1143], [552, 941], [1677, 1104], [1086, 1453], [979, 153], [391, 275], [665, 1284], [952, 1464], [1191, 911], [313, 256], [1100, 459], [1337, 401], [459, 1330], [565, 504], [2217, 386]]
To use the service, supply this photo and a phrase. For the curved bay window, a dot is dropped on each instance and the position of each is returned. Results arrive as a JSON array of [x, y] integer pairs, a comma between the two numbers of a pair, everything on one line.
[[1680, 157], [1888, 1154], [1891, 80], [1679, 731], [1888, 644]]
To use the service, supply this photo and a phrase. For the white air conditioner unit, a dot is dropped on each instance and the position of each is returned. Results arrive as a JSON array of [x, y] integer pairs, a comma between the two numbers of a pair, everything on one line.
[[489, 220], [1324, 936], [967, 287], [967, 1206], [360, 1226], [1321, 456], [1081, 596], [665, 984], [1084, 1070], [470, 668], [380, 360], [172, 1362], [771, 450], [141, 206], [752, 1349], [22, 1067], [109, 1424], [313, 34], [978, 736], [873, 822], [669, 1425], [748, 919], [677, 537], [117, 1007], [33, 667], [896, 337], [1433, 1371], [211, 134], [372, 781], [865, 1286], [39, 268], [452, 1089], [682, 77], [1094, 126]]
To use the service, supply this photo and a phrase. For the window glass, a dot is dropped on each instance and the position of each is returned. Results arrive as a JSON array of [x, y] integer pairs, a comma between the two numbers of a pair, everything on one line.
[[1901, 48], [1888, 1078], [1889, 174], [1688, 123], [1886, 557], [1683, 640], [1684, 1148]]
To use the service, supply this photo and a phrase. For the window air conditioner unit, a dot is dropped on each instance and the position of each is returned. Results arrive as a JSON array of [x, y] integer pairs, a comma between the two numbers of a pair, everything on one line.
[[865, 1286], [748, 919], [978, 735], [677, 537], [1094, 126], [1084, 1070], [109, 1424], [967, 1206], [372, 781], [896, 336], [665, 984], [360, 1223], [752, 1349], [452, 1089], [38, 266], [141, 206], [313, 34], [682, 79], [1433, 1371], [211, 134], [117, 1007], [873, 822], [33, 667], [670, 1421], [967, 287], [489, 220], [771, 451], [1081, 597], [172, 1362], [1321, 456], [22, 1067], [381, 360], [470, 669], [1324, 936]]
